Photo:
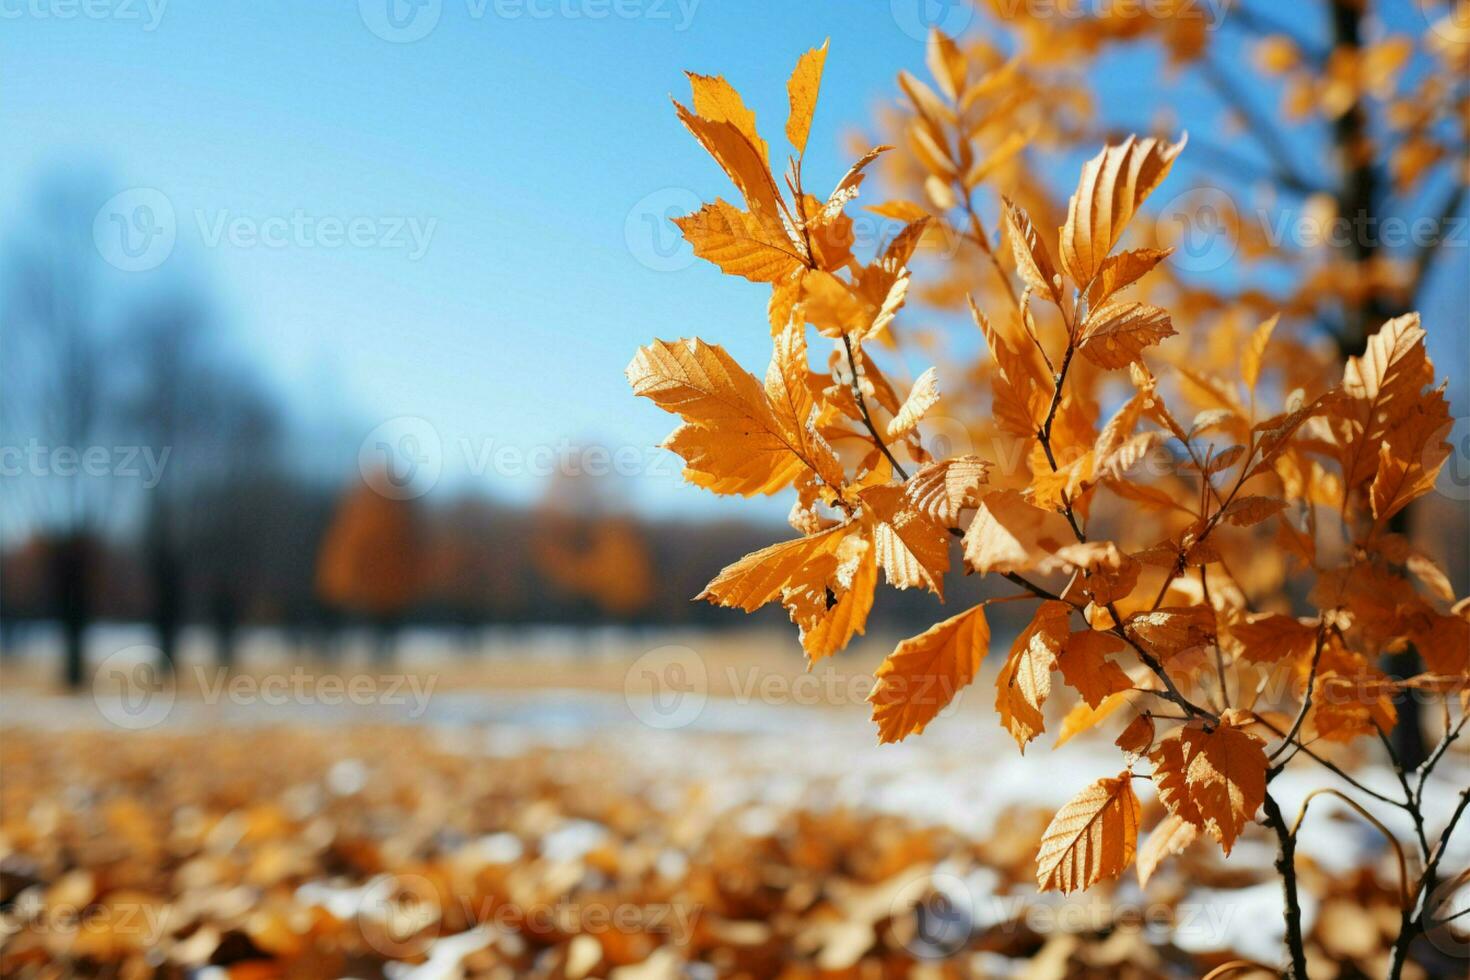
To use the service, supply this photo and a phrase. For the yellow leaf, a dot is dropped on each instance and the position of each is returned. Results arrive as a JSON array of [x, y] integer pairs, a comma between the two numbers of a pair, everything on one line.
[[1120, 271], [913, 550], [1169, 632], [1171, 836], [761, 576], [1084, 717], [1255, 352], [733, 441], [1116, 335], [830, 611], [922, 397], [1032, 260], [940, 490], [1085, 666], [738, 243], [924, 673], [1024, 681], [745, 164], [716, 100], [1092, 838], [1113, 185], [1010, 535], [789, 392], [946, 63], [802, 90]]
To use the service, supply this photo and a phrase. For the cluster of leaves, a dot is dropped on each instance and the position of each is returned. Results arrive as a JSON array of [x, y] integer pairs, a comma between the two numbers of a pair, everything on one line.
[[1139, 607]]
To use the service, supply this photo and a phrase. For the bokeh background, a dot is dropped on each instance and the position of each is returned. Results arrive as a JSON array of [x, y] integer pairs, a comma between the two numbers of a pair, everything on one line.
[[313, 319]]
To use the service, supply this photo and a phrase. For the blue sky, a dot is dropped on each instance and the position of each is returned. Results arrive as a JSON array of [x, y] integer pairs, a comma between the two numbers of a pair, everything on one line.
[[521, 146]]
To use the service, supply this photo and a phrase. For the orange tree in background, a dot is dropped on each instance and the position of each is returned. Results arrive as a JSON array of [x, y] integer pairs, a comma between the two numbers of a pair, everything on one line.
[[371, 559], [1159, 548]]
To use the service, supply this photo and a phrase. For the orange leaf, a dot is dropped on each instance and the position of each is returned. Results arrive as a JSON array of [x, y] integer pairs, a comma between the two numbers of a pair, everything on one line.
[[1113, 185], [1171, 836], [1091, 838], [801, 89], [924, 673], [1084, 664], [1024, 681]]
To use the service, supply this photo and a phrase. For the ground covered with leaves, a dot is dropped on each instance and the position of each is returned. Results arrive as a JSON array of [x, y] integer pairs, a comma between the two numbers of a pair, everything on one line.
[[473, 851]]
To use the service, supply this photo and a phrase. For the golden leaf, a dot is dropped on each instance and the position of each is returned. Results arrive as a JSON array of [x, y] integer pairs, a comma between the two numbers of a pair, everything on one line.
[[1083, 717], [1032, 260], [738, 243], [1085, 666], [830, 611], [1115, 335], [1113, 185], [1120, 271], [1024, 681], [1269, 638], [923, 396], [1382, 387], [924, 673], [1255, 352], [1010, 535], [789, 392], [1171, 836], [1226, 778], [1091, 838], [716, 100], [744, 163], [946, 63], [940, 490], [913, 550], [1245, 511], [1171, 631], [801, 90], [761, 576], [1410, 458], [732, 441]]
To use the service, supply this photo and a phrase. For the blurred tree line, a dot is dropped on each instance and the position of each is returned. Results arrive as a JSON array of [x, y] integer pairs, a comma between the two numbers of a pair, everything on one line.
[[152, 476]]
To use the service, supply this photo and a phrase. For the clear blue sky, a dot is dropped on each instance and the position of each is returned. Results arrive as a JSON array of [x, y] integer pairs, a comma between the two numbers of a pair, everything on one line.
[[526, 140]]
